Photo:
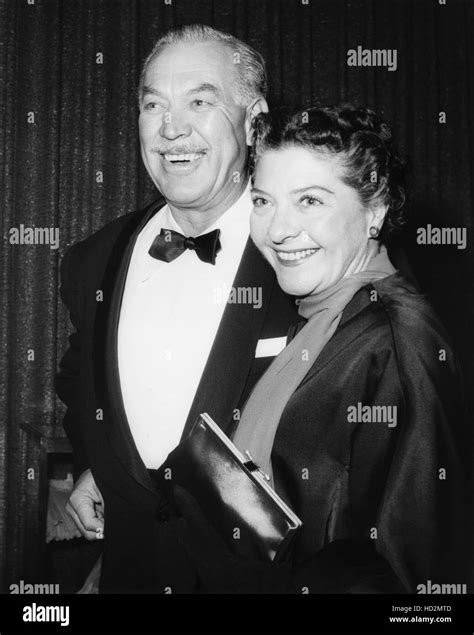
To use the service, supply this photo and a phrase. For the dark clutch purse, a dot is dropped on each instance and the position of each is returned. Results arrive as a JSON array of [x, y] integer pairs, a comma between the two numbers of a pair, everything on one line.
[[233, 493]]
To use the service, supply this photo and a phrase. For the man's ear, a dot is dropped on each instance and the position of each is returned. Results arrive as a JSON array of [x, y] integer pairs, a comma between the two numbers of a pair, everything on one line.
[[254, 109]]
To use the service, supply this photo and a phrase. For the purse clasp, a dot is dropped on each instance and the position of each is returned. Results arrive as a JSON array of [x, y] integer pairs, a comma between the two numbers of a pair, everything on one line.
[[253, 467]]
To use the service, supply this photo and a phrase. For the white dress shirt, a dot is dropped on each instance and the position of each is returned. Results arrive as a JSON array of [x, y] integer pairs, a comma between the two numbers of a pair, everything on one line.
[[169, 317]]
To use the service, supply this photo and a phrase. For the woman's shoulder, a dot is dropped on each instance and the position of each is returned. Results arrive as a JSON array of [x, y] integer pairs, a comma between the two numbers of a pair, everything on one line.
[[404, 304], [392, 313], [391, 319], [408, 315]]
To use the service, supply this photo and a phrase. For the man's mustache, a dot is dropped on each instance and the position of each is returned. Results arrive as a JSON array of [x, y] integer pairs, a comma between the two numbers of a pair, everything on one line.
[[179, 150]]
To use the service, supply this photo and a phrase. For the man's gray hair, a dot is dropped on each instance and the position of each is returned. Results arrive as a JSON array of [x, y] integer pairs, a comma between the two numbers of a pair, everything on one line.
[[250, 64]]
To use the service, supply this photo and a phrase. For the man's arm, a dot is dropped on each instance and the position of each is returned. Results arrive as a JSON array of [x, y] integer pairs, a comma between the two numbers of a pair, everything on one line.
[[67, 381], [86, 505]]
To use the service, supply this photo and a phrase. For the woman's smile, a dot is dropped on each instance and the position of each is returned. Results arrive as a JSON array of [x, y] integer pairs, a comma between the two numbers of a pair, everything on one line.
[[290, 258]]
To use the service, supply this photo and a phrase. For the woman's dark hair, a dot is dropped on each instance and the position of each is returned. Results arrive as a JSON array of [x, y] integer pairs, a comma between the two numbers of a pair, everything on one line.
[[360, 138]]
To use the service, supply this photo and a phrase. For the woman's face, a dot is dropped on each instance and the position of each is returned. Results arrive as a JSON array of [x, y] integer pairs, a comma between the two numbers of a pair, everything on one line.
[[306, 221]]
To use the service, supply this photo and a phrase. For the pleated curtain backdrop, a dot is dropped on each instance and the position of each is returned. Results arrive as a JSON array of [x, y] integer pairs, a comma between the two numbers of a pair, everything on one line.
[[71, 163]]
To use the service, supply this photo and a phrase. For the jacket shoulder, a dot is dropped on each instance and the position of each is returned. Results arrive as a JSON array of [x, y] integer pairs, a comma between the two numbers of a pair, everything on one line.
[[101, 241], [411, 328], [408, 311], [392, 314]]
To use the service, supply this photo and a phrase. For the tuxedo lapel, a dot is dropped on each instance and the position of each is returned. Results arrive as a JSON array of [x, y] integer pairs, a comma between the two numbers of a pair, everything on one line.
[[119, 433], [233, 350], [228, 364]]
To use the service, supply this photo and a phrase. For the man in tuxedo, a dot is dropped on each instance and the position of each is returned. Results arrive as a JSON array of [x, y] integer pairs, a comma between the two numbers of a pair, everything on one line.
[[175, 311]]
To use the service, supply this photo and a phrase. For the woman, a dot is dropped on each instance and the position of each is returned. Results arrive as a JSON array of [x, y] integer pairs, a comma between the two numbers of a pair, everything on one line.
[[354, 419]]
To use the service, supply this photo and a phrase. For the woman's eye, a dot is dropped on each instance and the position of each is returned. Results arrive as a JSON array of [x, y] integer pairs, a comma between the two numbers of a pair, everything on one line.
[[258, 201], [310, 201]]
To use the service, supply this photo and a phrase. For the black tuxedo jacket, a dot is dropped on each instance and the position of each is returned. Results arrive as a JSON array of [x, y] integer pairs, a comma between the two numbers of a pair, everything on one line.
[[140, 551]]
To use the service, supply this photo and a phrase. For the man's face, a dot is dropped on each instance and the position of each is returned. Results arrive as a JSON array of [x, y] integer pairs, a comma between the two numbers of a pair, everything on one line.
[[193, 133]]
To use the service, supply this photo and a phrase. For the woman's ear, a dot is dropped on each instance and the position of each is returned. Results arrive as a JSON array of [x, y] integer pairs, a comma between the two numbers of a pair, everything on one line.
[[375, 218], [254, 109]]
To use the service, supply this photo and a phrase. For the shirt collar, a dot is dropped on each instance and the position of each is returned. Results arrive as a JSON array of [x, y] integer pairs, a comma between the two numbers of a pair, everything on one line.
[[233, 223]]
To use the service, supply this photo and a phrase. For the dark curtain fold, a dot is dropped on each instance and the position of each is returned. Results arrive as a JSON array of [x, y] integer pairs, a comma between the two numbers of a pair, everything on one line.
[[70, 153]]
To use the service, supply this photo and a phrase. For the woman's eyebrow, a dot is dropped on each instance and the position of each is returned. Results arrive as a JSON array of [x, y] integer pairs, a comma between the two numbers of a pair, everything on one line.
[[312, 187]]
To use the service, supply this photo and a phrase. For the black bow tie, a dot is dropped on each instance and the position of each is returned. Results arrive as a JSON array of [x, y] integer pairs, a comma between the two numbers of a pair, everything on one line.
[[169, 244]]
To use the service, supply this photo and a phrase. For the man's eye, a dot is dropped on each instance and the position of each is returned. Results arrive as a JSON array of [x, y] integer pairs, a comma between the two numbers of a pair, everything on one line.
[[151, 105], [199, 103], [310, 201]]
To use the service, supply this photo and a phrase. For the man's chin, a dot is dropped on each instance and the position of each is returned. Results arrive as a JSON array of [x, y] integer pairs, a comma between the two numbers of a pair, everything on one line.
[[184, 196], [185, 187]]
